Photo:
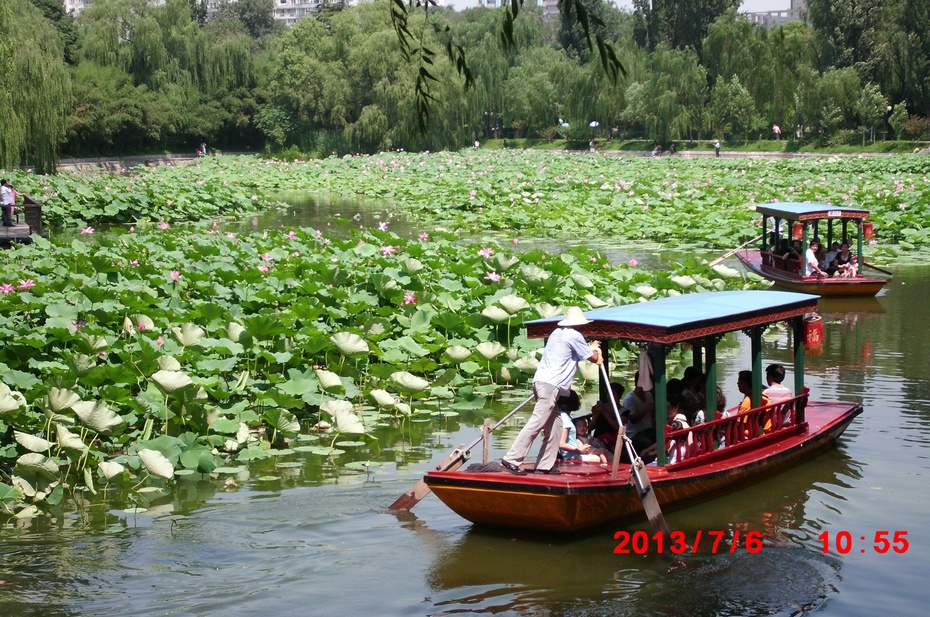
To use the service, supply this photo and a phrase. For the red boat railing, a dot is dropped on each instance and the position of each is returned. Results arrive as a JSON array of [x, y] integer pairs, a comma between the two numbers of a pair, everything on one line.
[[791, 264], [698, 442]]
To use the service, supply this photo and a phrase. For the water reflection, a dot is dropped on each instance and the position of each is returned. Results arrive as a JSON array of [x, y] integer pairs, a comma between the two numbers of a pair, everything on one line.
[[493, 571]]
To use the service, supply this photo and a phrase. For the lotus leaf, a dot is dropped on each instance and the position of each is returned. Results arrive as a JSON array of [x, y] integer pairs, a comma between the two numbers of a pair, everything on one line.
[[169, 363], [83, 364], [344, 416], [38, 465], [32, 442], [588, 370], [646, 291], [527, 364], [143, 322], [413, 265], [496, 314], [582, 281], [382, 397], [547, 311], [685, 281], [109, 469], [490, 349], [59, 399], [97, 415], [458, 353], [594, 302], [349, 343], [505, 262], [68, 440], [9, 400], [534, 273], [408, 382], [328, 379], [10, 493], [726, 271], [128, 328], [403, 408], [513, 304], [171, 381], [234, 331], [156, 463], [188, 334]]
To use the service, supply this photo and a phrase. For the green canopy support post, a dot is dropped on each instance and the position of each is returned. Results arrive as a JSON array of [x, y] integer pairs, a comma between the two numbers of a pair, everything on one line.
[[659, 382], [859, 255], [697, 356], [765, 233], [798, 326]]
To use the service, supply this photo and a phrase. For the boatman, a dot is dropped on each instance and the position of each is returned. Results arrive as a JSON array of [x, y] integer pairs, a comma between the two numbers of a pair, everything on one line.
[[564, 349]]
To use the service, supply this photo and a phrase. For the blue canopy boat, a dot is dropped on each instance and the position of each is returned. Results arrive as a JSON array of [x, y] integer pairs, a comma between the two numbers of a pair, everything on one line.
[[806, 222], [762, 442]]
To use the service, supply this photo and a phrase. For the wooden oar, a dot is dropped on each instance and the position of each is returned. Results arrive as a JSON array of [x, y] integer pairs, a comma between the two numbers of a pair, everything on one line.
[[734, 251], [452, 462], [646, 494], [882, 270]]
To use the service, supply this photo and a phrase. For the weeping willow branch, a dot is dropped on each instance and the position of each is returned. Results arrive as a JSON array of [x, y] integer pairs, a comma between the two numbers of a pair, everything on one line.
[[413, 46]]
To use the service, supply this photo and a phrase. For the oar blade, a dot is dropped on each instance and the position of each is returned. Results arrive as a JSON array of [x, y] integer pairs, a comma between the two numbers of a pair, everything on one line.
[[651, 506], [420, 490]]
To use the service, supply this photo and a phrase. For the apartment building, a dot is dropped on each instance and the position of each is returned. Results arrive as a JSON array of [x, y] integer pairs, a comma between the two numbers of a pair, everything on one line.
[[796, 12]]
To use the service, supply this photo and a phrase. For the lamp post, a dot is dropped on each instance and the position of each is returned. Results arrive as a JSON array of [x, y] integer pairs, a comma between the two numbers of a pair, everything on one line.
[[887, 121]]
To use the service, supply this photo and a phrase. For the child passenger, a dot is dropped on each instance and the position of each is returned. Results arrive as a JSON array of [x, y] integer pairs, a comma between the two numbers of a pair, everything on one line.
[[570, 447]]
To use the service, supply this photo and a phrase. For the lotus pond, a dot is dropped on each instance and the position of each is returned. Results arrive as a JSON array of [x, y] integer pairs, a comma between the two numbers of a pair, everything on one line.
[[169, 347]]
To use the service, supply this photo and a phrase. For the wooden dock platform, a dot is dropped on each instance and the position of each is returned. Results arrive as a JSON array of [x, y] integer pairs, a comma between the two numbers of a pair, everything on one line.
[[27, 221]]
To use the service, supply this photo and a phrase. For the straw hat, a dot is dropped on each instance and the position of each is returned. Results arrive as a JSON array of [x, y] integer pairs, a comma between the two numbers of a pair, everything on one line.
[[574, 317]]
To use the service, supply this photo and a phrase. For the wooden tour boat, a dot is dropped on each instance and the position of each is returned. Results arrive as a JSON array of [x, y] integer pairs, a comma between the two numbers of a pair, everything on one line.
[[21, 231], [758, 444], [805, 222]]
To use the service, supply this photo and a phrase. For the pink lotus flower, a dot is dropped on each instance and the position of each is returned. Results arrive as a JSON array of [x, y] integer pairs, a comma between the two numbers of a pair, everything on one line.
[[79, 324], [141, 326], [132, 229], [6, 288], [410, 298], [231, 236], [492, 276], [254, 197], [263, 269], [87, 231], [164, 225], [486, 252], [159, 341], [175, 275], [291, 235], [516, 241], [26, 284], [382, 226], [318, 233], [424, 237], [267, 257], [170, 202], [134, 263], [388, 250], [633, 263]]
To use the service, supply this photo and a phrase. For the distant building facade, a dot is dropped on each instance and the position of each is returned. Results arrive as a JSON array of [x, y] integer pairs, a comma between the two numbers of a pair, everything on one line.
[[796, 12]]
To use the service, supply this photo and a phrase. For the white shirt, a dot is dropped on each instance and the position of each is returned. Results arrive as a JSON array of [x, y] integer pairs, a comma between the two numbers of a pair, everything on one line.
[[6, 195], [636, 405], [810, 260], [776, 393], [564, 349]]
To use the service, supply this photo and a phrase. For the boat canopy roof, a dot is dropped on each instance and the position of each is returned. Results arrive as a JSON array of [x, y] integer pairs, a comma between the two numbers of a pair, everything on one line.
[[810, 212], [686, 317]]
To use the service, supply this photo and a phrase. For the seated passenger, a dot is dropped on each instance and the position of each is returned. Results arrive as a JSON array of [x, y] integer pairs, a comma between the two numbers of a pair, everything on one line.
[[640, 424], [793, 251], [569, 447], [812, 260], [846, 263], [679, 402], [776, 392], [829, 260], [744, 384], [604, 426], [596, 454], [720, 414]]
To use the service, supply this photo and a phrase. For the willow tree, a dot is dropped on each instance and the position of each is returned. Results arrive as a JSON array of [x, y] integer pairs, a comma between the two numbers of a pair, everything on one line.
[[11, 130], [37, 89]]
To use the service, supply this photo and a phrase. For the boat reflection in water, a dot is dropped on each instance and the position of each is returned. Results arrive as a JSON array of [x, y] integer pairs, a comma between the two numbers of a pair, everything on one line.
[[486, 570]]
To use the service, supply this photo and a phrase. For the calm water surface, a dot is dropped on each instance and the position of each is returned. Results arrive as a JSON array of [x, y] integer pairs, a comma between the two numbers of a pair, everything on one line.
[[316, 541]]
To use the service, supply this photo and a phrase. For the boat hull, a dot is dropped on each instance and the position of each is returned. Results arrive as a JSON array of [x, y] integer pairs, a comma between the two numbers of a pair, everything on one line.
[[584, 497], [792, 281]]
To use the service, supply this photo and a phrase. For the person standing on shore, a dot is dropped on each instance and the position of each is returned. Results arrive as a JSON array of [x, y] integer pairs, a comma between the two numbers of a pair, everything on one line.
[[564, 349], [7, 200], [717, 148]]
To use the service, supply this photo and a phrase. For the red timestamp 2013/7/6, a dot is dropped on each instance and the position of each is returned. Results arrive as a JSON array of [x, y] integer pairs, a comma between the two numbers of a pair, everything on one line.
[[640, 542], [844, 542]]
